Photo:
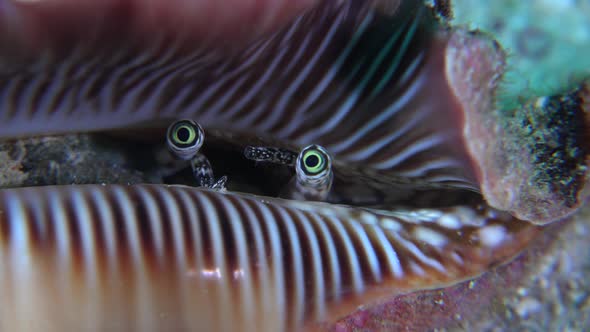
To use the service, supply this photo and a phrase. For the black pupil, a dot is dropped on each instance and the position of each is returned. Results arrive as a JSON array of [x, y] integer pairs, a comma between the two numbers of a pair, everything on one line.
[[183, 134], [312, 161]]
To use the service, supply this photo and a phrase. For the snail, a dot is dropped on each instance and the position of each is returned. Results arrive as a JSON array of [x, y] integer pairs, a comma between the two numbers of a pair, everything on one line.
[[412, 203], [184, 139], [313, 170]]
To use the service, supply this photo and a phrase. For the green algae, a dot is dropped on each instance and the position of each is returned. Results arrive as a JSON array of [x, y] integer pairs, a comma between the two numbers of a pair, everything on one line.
[[547, 43]]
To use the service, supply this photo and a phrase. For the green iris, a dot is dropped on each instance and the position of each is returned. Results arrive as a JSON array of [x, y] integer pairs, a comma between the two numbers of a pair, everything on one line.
[[314, 161], [184, 134]]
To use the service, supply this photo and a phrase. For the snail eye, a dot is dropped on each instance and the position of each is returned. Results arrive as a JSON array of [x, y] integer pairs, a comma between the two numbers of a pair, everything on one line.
[[185, 138], [184, 135], [314, 160]]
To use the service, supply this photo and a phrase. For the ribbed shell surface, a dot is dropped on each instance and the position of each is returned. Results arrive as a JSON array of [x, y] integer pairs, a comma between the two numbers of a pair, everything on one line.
[[154, 258], [367, 85]]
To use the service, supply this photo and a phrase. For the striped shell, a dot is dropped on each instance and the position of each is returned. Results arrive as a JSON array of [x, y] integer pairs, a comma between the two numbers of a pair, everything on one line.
[[360, 82], [151, 257]]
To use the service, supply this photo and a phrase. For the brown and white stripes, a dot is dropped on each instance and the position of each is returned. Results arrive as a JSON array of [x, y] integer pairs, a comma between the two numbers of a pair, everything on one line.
[[151, 258], [369, 86]]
